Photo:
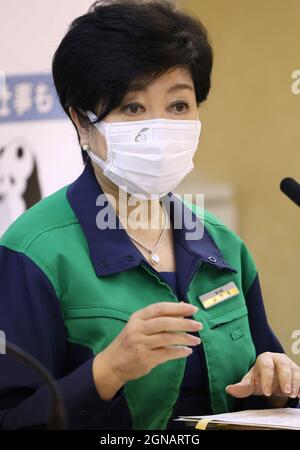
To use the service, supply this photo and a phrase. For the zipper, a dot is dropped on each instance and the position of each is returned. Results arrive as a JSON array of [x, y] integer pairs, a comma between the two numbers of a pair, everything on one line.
[[149, 269], [160, 279], [204, 355], [186, 300]]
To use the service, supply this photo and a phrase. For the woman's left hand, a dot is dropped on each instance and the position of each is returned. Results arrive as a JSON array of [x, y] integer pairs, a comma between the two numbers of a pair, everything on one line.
[[272, 374]]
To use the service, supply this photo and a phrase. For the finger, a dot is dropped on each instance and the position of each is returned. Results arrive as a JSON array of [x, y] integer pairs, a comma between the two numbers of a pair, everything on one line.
[[296, 382], [164, 339], [168, 353], [175, 324], [166, 309], [284, 373], [266, 371], [243, 388], [257, 384], [249, 375]]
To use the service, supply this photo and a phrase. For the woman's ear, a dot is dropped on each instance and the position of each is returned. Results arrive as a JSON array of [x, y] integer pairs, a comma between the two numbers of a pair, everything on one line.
[[83, 130]]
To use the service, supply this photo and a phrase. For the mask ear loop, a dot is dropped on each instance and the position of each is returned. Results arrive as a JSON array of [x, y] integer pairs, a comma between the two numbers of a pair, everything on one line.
[[91, 116], [104, 164]]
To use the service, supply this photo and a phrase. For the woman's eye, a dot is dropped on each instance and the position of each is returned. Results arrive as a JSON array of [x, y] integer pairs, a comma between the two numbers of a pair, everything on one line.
[[132, 108], [180, 107]]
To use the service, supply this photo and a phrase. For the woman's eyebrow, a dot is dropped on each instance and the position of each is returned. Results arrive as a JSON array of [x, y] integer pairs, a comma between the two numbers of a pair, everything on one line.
[[176, 87], [179, 87]]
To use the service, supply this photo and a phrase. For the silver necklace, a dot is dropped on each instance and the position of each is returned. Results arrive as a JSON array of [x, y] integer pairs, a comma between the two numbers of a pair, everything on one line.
[[154, 258]]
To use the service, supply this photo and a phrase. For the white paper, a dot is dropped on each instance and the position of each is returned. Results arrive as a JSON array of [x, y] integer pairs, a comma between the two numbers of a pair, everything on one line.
[[273, 418]]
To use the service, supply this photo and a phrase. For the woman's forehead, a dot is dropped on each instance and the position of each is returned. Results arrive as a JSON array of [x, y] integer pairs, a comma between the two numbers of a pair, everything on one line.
[[172, 81]]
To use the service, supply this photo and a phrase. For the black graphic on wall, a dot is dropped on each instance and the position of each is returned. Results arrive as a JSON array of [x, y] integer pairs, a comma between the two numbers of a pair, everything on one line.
[[19, 180]]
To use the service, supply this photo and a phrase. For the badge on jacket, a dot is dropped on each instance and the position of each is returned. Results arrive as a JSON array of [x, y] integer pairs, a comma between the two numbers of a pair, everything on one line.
[[219, 295]]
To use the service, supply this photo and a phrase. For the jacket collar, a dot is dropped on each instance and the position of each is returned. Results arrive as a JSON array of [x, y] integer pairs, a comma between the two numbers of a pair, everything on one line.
[[111, 250]]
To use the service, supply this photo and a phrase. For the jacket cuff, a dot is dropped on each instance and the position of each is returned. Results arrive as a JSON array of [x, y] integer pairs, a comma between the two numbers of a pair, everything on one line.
[[82, 400]]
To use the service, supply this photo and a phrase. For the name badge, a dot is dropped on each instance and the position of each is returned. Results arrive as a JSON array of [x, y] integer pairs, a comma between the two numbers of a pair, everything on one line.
[[219, 295]]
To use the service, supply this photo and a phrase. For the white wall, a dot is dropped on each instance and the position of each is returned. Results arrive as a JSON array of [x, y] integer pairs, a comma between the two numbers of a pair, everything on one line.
[[30, 32]]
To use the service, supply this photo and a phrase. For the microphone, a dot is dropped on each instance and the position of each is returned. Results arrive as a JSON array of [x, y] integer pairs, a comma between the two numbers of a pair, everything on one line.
[[57, 417], [291, 189]]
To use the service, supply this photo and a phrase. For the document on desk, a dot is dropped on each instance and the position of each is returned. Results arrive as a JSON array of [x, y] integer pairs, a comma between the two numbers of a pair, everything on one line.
[[279, 418]]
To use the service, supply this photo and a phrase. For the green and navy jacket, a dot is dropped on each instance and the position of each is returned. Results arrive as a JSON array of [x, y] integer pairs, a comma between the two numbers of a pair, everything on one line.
[[67, 288]]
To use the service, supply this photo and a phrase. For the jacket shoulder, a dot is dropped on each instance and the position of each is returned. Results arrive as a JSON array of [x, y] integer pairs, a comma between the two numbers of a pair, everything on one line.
[[212, 222], [231, 245]]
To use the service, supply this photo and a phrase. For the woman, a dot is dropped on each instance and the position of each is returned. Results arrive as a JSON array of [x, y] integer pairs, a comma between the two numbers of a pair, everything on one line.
[[138, 319]]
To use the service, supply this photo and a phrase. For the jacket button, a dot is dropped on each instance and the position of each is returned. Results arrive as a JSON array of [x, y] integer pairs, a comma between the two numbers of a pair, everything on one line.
[[212, 259]]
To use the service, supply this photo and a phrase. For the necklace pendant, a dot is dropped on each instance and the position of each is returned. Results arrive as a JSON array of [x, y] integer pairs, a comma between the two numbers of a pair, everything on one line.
[[154, 258]]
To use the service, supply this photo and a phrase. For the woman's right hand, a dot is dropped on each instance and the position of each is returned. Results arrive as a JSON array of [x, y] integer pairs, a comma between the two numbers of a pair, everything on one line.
[[147, 340]]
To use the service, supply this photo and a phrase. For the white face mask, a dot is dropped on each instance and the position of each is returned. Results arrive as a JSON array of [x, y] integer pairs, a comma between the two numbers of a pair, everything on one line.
[[148, 156]]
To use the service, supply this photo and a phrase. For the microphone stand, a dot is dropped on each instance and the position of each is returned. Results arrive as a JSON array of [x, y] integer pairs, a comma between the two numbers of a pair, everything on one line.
[[57, 415]]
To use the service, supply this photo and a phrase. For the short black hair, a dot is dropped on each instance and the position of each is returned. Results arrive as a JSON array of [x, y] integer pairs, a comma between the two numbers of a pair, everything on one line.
[[118, 42]]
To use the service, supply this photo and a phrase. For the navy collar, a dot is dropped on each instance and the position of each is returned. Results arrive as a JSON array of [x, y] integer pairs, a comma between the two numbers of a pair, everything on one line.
[[111, 250]]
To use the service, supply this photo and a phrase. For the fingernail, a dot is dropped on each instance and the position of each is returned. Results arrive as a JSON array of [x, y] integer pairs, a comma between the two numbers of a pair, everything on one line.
[[287, 388], [267, 392], [195, 308]]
